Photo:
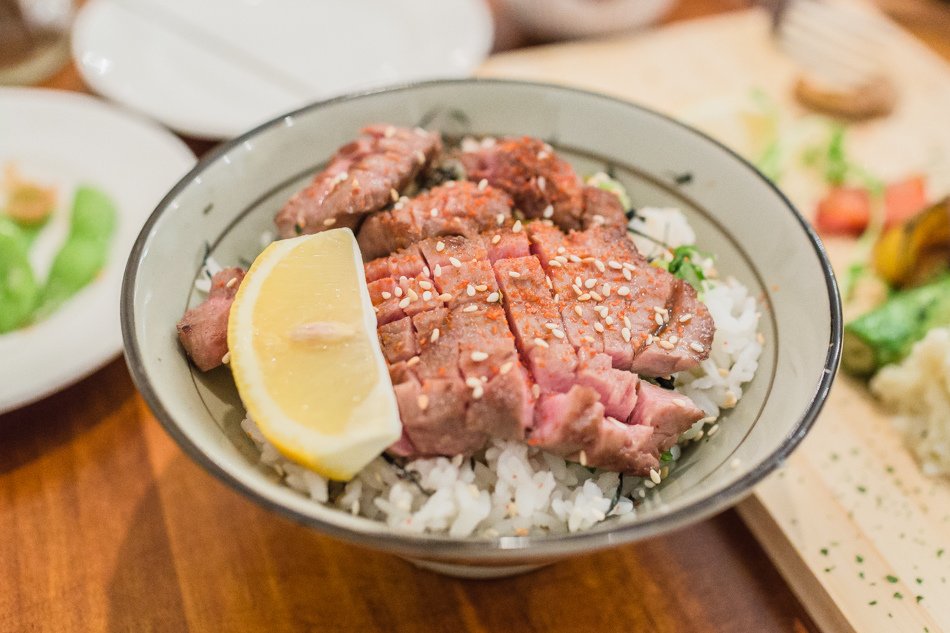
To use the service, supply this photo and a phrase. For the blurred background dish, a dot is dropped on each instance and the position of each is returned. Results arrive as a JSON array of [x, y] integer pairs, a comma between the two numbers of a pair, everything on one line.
[[216, 68], [564, 19], [59, 139], [34, 36]]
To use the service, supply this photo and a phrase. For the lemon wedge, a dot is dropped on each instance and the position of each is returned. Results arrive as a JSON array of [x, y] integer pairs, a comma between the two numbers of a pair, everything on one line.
[[305, 357]]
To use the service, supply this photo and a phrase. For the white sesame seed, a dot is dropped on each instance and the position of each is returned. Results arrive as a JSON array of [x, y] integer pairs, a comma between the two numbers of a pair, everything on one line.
[[412, 294], [500, 219], [609, 320], [577, 289], [658, 319], [514, 273], [420, 157], [550, 326], [590, 283], [541, 183], [455, 262], [548, 212], [479, 356], [614, 264], [445, 297], [481, 287], [437, 271], [404, 303], [390, 131], [516, 227], [674, 339], [493, 297], [434, 336], [629, 266], [425, 285], [600, 265], [682, 404], [542, 155], [623, 291], [329, 222], [574, 258], [540, 342], [412, 361], [506, 367], [470, 308], [426, 271], [698, 347], [595, 296], [433, 212], [427, 295], [605, 289], [403, 279], [423, 401], [439, 246], [561, 259], [554, 263], [536, 390], [394, 194], [547, 280], [627, 275], [588, 339], [386, 295], [625, 332], [654, 476], [626, 321], [666, 344], [730, 400], [478, 392], [582, 458], [712, 430], [557, 333], [584, 297], [602, 311], [470, 290], [482, 184], [685, 318], [226, 359], [599, 326], [578, 310], [496, 239], [557, 298]]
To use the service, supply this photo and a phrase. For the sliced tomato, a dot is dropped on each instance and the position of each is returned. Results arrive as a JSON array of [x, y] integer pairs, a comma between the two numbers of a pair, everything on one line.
[[844, 211], [847, 210], [904, 199]]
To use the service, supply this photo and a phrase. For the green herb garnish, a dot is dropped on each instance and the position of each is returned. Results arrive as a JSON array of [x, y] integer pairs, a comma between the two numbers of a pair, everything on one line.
[[683, 266], [891, 579]]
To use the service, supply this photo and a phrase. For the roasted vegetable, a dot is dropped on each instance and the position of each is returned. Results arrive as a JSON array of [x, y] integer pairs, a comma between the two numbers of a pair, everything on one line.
[[886, 334], [909, 254], [847, 210]]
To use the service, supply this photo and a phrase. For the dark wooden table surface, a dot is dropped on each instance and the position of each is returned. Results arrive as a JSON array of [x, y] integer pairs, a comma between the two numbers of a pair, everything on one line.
[[106, 525]]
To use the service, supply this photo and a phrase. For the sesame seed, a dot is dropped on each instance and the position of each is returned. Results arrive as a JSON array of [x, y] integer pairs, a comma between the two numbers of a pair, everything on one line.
[[574, 258], [470, 290], [682, 404], [329, 222], [403, 279], [390, 131], [541, 184], [434, 212], [516, 227], [623, 291], [609, 320], [540, 342], [599, 326], [627, 275], [479, 356], [437, 272], [439, 246], [629, 266], [557, 333], [588, 339], [455, 262], [496, 239], [730, 400], [578, 282], [386, 295], [650, 339], [423, 401], [561, 259], [547, 280], [599, 219], [654, 476], [626, 321], [584, 297], [506, 367], [548, 212], [427, 295], [595, 296], [685, 318], [590, 283], [625, 332], [470, 308], [674, 339], [425, 285], [434, 336], [712, 430], [605, 289], [412, 294], [578, 310], [226, 359], [420, 157], [394, 194], [561, 250], [600, 265], [514, 273], [493, 297], [500, 219], [482, 184], [481, 287], [602, 311], [666, 344], [577, 289], [551, 326], [557, 298], [478, 392], [554, 263], [404, 303], [542, 155], [658, 319], [412, 361], [426, 271], [614, 264], [582, 458], [698, 347]]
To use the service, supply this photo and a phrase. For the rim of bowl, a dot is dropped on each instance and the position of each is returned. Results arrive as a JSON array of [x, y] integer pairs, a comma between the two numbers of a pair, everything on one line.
[[525, 547]]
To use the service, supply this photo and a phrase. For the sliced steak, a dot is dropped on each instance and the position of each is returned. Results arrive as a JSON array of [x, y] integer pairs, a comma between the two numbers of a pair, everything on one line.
[[668, 413], [455, 208], [542, 184], [603, 208], [203, 330], [363, 176]]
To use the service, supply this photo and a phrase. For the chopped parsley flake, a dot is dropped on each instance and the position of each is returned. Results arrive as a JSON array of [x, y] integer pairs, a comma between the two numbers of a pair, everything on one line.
[[862, 489], [898, 595], [872, 602], [918, 599], [824, 551], [858, 558], [891, 579]]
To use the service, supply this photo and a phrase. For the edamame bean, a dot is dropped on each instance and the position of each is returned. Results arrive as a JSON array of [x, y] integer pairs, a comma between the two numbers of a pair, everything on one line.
[[19, 291]]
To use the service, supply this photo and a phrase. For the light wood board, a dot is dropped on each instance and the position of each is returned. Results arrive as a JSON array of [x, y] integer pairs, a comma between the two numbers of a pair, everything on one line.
[[850, 520]]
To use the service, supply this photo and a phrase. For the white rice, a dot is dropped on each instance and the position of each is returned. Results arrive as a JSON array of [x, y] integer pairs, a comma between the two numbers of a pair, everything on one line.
[[511, 489]]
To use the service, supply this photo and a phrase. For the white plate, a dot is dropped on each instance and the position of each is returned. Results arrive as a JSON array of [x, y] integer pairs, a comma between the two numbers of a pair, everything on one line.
[[216, 68], [65, 139]]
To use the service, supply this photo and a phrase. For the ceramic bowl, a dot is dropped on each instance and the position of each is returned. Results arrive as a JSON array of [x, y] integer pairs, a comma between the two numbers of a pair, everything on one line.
[[229, 200]]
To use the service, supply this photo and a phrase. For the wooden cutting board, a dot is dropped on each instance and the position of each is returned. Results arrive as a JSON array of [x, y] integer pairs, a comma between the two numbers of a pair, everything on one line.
[[850, 520]]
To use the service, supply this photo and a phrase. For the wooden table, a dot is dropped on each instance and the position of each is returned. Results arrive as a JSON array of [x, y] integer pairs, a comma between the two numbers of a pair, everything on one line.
[[106, 525]]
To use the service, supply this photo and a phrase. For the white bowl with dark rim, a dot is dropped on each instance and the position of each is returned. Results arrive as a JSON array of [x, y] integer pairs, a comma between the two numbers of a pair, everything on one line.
[[229, 200]]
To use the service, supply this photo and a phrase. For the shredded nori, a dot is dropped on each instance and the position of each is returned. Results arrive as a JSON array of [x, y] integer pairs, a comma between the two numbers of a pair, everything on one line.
[[617, 495], [403, 473], [683, 179], [630, 213], [666, 383]]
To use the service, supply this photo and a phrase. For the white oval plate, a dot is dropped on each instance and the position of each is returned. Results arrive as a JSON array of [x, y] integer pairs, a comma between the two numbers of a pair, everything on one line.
[[216, 68], [65, 139]]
